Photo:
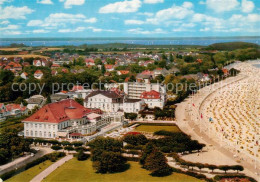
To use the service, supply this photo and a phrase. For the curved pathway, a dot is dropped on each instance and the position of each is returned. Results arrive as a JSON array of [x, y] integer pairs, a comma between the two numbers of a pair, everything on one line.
[[51, 168]]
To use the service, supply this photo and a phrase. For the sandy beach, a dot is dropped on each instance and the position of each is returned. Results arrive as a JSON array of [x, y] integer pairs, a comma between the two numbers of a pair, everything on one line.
[[225, 116]]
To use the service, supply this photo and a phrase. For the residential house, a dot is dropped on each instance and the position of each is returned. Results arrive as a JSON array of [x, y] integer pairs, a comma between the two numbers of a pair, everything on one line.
[[89, 62], [38, 74], [109, 67], [123, 72], [35, 101], [24, 75], [153, 99]]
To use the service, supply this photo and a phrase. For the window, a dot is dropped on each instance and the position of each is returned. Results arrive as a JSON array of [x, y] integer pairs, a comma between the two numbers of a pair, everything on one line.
[[45, 134], [35, 125], [50, 134], [31, 133], [36, 133]]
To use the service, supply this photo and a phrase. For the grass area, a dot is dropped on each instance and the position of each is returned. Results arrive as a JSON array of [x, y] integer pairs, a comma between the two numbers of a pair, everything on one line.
[[29, 174], [78, 171], [153, 128]]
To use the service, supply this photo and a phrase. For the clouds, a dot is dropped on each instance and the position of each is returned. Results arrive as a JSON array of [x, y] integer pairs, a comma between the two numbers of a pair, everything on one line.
[[121, 7], [78, 29], [69, 3], [153, 1], [10, 30], [173, 13], [40, 31], [220, 6], [4, 1], [247, 6], [44, 2], [12, 12], [61, 20], [134, 22], [146, 32]]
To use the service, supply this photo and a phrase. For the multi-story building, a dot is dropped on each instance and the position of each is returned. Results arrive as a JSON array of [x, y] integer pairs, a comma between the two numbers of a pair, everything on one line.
[[134, 90], [113, 101], [64, 118]]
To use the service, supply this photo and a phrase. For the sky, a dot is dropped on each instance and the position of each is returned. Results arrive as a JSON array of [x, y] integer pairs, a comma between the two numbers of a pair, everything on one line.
[[129, 18]]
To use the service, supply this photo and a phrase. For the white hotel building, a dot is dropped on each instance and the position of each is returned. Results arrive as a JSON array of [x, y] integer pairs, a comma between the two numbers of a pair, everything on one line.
[[61, 119]]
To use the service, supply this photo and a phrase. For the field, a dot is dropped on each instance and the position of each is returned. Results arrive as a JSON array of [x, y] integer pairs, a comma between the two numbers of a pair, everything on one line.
[[29, 174], [79, 171], [8, 49], [24, 56], [153, 128]]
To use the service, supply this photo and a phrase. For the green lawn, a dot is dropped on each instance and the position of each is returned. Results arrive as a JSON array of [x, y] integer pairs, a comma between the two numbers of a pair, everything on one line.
[[29, 174], [80, 171], [153, 128]]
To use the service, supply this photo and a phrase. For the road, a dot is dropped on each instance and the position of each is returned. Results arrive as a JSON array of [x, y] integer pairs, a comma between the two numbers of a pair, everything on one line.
[[23, 161]]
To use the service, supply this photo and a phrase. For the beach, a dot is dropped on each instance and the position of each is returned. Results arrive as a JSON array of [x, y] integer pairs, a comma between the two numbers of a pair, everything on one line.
[[225, 116]]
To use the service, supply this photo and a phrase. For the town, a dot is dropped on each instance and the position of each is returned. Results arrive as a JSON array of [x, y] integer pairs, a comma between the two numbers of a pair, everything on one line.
[[77, 100]]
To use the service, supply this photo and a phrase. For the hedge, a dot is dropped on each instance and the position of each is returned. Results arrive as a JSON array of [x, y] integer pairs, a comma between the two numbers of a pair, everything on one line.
[[219, 177]]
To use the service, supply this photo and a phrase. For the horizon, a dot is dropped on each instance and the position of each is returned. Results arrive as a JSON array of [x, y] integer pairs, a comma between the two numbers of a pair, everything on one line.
[[129, 18]]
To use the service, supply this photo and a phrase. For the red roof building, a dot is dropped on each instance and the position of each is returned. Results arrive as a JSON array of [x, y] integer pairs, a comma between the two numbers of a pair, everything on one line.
[[58, 112], [150, 95]]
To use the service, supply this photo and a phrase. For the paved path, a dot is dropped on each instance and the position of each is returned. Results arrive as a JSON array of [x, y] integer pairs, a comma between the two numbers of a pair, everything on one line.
[[51, 168]]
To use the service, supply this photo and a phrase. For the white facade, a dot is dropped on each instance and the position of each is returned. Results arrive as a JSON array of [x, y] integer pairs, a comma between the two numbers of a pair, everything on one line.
[[152, 103], [134, 89], [109, 104], [51, 130]]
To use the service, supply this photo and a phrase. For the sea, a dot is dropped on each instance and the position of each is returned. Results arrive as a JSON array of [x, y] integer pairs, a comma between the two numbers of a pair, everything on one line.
[[203, 41]]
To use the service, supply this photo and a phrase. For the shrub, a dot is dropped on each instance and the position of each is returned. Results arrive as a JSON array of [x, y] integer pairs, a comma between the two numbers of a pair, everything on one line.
[[82, 156], [77, 144], [69, 148], [56, 147]]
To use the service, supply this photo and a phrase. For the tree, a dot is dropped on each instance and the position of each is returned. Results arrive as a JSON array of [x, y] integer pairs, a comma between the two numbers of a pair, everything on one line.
[[110, 162], [224, 168], [103, 69], [138, 139], [80, 101], [48, 101], [238, 168], [212, 167], [6, 76], [188, 59], [156, 162], [171, 58], [131, 116], [82, 156]]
